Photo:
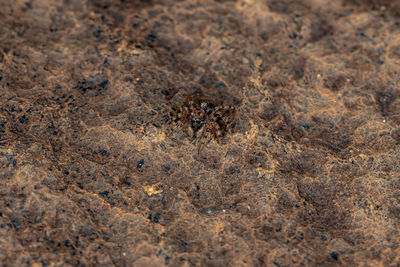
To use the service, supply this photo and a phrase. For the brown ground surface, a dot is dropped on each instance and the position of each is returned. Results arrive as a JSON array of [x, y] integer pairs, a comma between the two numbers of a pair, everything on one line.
[[91, 174]]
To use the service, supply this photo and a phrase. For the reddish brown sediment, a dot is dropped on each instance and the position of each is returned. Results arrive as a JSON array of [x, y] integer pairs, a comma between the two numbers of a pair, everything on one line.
[[308, 173]]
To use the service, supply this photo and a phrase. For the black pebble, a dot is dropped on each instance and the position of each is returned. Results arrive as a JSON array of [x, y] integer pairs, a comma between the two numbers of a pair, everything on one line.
[[140, 164], [335, 255]]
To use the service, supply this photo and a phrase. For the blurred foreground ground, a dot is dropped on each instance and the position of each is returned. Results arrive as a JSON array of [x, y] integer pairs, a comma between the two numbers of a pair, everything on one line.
[[309, 174]]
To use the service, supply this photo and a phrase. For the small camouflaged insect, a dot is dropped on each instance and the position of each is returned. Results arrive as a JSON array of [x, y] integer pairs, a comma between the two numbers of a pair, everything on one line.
[[202, 120]]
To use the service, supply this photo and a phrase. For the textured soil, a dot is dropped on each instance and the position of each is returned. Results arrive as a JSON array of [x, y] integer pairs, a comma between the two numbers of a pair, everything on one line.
[[92, 172]]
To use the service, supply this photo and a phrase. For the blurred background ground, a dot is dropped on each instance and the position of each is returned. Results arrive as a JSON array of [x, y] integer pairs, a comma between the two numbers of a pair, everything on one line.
[[91, 174]]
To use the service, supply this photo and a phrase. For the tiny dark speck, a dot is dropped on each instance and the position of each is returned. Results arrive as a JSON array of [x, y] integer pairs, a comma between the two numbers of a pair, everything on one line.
[[104, 84], [335, 255], [217, 67], [104, 193], [152, 36], [221, 84], [278, 230], [23, 119], [140, 164], [233, 171], [104, 152], [155, 217], [97, 34]]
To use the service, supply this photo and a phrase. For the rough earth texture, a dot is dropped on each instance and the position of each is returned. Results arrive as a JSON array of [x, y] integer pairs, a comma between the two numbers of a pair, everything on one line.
[[92, 173]]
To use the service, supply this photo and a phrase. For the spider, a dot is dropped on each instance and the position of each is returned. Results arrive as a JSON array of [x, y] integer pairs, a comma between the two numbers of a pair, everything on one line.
[[202, 120]]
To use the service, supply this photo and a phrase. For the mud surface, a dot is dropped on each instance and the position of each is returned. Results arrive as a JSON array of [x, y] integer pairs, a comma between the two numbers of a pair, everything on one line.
[[92, 172]]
